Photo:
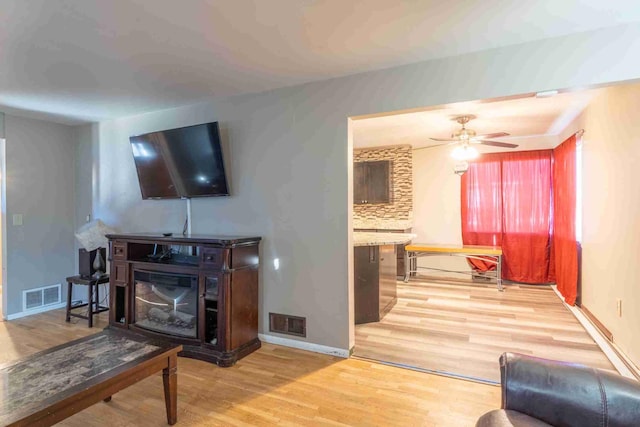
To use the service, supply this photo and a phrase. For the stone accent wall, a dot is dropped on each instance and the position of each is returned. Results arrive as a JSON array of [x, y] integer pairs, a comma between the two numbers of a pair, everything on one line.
[[401, 206]]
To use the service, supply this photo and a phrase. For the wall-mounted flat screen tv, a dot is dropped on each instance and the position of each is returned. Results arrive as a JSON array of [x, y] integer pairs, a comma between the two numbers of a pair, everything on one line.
[[180, 163]]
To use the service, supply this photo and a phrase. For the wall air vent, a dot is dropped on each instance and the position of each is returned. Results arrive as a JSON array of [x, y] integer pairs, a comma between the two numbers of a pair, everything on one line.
[[41, 297], [286, 324]]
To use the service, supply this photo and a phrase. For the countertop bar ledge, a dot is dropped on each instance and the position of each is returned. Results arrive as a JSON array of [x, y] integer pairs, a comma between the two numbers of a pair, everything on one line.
[[362, 238]]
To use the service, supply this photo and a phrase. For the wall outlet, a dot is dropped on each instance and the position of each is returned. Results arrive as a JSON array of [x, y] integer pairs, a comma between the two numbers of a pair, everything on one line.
[[619, 307]]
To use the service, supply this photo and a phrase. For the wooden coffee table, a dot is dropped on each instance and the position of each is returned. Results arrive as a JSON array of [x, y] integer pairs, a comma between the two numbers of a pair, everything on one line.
[[49, 386]]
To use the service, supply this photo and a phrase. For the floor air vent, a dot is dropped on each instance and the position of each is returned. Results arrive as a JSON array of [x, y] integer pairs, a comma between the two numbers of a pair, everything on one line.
[[290, 325], [40, 297]]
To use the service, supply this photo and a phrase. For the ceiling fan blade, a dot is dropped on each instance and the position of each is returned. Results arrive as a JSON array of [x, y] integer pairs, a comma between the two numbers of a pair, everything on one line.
[[436, 145], [491, 135], [498, 144], [444, 139]]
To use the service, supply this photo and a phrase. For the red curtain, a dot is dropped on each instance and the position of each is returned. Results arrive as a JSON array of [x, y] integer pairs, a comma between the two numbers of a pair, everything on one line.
[[481, 202], [565, 249], [506, 201]]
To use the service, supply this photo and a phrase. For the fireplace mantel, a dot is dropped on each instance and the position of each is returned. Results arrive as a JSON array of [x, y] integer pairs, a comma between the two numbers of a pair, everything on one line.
[[217, 278]]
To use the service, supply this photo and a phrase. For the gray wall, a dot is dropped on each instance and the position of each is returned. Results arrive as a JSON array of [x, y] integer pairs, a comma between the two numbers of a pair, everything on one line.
[[86, 168], [290, 160], [40, 176]]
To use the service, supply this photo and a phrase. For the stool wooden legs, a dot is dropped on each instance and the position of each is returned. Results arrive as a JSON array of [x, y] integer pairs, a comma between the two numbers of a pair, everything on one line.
[[69, 292], [90, 313], [93, 303], [97, 307]]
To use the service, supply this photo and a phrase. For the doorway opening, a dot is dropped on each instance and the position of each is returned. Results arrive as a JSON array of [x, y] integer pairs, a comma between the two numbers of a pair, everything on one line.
[[444, 322]]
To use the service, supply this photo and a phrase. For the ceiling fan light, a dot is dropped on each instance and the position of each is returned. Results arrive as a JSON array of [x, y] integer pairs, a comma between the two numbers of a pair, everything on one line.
[[464, 152]]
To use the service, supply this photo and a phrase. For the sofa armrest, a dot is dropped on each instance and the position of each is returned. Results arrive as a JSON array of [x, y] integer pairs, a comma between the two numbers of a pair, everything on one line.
[[565, 394]]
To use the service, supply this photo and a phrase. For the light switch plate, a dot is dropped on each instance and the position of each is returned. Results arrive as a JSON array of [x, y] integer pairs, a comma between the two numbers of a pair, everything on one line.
[[17, 219]]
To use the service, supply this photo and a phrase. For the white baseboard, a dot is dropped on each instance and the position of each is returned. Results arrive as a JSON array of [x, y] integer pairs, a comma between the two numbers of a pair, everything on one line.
[[304, 345], [601, 341], [36, 311]]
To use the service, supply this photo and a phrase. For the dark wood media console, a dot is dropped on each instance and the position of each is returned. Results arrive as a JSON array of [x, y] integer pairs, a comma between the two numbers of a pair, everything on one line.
[[198, 291]]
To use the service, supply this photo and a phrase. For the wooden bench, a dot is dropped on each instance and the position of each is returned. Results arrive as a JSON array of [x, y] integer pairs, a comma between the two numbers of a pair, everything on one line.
[[47, 387]]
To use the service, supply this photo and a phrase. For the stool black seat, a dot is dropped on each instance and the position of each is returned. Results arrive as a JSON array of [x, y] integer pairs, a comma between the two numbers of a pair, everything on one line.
[[94, 306]]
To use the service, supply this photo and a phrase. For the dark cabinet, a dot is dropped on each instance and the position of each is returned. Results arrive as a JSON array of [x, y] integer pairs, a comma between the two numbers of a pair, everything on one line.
[[371, 182], [213, 317], [359, 183], [199, 291], [375, 282]]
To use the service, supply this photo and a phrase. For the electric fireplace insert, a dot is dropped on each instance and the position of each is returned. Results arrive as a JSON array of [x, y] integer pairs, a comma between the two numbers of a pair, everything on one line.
[[166, 303]]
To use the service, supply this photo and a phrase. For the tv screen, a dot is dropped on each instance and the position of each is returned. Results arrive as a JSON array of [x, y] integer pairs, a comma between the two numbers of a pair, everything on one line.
[[183, 162]]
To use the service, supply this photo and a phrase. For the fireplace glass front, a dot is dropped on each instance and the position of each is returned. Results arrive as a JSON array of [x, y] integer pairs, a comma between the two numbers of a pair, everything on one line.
[[166, 303]]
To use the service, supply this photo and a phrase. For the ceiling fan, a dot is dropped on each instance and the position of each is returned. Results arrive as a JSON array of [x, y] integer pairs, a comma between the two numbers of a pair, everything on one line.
[[466, 137]]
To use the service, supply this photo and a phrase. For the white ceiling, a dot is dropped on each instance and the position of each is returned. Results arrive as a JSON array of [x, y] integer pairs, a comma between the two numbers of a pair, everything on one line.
[[531, 122], [87, 60]]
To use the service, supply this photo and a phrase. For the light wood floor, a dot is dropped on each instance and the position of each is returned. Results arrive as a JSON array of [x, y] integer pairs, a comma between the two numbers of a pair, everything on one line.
[[273, 386], [463, 328]]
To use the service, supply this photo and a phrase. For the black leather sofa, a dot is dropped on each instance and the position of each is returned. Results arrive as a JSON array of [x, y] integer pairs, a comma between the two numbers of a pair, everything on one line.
[[539, 392]]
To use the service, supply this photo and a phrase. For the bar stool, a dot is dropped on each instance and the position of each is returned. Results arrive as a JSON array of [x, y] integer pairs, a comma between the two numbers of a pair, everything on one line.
[[94, 297]]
